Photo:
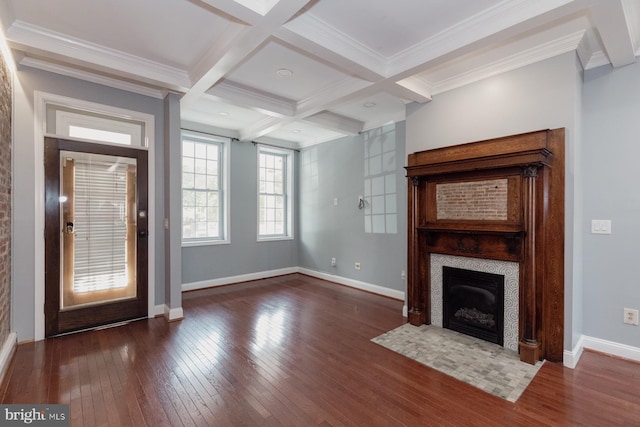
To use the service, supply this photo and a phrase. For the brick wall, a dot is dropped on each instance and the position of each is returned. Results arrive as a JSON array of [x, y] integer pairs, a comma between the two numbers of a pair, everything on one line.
[[472, 200], [5, 199]]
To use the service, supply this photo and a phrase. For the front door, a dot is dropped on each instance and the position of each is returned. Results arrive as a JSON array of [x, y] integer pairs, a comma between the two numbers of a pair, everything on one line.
[[95, 235]]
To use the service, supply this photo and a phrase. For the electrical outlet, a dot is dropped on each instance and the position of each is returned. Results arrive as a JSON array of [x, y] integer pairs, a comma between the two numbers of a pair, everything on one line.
[[357, 265], [403, 275], [630, 316], [333, 262]]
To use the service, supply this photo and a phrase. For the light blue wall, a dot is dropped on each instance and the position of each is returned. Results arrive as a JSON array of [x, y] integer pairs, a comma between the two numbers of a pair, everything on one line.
[[611, 137], [244, 255], [544, 95], [336, 170], [24, 268]]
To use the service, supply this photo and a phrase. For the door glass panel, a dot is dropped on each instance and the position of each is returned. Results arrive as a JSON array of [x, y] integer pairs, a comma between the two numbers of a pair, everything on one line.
[[98, 228]]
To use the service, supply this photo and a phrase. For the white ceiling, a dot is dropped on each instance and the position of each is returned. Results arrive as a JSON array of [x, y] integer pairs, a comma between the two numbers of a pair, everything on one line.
[[354, 64]]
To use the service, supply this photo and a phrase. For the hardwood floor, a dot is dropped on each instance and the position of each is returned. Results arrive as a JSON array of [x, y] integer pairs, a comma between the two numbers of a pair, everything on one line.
[[292, 350]]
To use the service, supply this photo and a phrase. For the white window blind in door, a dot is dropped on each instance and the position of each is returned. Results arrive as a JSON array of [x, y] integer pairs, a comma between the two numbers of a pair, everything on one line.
[[100, 226]]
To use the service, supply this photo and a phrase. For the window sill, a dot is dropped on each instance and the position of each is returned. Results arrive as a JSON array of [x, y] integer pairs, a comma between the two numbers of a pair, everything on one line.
[[205, 243], [274, 239]]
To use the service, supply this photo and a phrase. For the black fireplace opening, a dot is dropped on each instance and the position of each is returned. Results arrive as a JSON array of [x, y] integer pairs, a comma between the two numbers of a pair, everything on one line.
[[474, 303]]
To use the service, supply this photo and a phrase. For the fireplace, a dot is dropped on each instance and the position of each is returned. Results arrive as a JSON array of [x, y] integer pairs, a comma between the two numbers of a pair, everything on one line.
[[473, 303], [496, 200]]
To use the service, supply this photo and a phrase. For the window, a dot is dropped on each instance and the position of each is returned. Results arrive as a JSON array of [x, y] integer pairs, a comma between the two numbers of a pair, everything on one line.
[[204, 184], [275, 170], [98, 128]]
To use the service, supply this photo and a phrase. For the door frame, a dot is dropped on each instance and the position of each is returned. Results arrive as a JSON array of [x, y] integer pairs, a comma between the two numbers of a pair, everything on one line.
[[41, 100]]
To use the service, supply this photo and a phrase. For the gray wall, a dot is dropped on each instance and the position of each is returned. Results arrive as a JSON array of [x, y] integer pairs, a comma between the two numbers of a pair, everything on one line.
[[611, 175], [244, 255], [337, 169], [543, 95], [29, 80]]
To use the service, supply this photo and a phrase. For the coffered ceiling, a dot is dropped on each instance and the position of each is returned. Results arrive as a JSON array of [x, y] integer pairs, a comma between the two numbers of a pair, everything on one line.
[[300, 72]]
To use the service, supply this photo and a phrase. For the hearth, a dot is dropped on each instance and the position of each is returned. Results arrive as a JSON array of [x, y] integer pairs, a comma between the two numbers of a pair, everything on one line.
[[473, 303]]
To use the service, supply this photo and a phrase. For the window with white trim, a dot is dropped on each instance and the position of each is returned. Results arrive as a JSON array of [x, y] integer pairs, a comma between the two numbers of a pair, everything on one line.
[[204, 189], [275, 201]]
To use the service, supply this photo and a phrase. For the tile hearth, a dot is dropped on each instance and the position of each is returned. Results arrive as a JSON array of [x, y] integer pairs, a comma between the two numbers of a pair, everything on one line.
[[489, 367]]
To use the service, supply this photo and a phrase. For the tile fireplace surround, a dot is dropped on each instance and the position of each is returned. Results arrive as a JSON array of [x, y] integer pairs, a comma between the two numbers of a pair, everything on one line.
[[507, 269], [499, 200]]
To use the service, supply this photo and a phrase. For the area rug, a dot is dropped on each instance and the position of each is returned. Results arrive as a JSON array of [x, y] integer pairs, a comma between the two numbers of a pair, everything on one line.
[[487, 366]]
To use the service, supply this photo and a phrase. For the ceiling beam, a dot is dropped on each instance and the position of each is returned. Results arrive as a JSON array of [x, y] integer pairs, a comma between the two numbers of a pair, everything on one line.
[[337, 122], [242, 44], [609, 17]]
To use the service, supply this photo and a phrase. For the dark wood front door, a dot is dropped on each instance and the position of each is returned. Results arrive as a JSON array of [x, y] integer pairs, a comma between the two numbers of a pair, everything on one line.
[[96, 219]]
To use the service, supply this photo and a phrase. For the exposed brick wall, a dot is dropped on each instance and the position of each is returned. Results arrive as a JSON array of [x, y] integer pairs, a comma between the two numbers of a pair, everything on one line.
[[472, 200], [5, 199]]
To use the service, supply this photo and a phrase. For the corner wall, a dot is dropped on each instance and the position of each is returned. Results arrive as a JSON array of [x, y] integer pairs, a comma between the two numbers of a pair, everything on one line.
[[332, 177]]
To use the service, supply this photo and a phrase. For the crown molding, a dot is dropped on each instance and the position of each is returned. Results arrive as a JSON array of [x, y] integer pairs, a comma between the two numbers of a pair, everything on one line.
[[92, 77], [412, 88], [43, 40], [521, 59], [597, 59], [491, 21], [245, 96], [320, 32]]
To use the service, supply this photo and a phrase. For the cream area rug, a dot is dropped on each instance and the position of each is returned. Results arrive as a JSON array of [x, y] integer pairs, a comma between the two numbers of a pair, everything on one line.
[[485, 365]]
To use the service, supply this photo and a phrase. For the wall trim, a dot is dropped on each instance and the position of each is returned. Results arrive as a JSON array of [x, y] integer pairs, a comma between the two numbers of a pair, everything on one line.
[[212, 283], [8, 349], [571, 358], [158, 310], [369, 287], [173, 314], [376, 289]]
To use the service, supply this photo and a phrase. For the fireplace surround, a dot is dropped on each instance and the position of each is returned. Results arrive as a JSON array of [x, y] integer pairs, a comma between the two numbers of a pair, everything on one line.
[[499, 199]]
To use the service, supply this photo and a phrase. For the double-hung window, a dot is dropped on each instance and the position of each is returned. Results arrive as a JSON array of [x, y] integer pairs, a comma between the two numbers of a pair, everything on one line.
[[204, 189], [275, 201]]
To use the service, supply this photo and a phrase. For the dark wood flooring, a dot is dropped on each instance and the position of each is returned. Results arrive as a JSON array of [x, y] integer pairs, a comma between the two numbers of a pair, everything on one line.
[[293, 350]]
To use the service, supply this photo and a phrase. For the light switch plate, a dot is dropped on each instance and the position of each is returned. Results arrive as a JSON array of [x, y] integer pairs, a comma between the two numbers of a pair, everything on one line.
[[601, 226]]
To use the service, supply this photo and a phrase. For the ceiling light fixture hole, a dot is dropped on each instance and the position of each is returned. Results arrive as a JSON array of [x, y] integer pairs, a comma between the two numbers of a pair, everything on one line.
[[284, 72]]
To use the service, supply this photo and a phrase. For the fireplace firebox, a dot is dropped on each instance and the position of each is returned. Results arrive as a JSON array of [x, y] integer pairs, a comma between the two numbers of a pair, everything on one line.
[[473, 303]]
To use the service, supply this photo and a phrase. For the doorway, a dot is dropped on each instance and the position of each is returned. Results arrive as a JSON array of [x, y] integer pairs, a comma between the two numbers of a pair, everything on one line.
[[96, 229]]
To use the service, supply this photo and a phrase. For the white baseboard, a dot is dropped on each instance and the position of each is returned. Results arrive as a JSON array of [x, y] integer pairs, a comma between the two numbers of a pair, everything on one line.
[[158, 310], [8, 348], [571, 358], [376, 289], [173, 313], [237, 279], [405, 311]]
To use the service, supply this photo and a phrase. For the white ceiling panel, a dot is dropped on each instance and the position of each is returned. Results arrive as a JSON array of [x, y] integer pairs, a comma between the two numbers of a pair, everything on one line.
[[274, 62], [175, 33], [388, 28]]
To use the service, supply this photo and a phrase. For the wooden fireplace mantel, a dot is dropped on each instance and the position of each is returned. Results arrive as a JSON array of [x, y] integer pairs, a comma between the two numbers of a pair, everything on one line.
[[529, 231]]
